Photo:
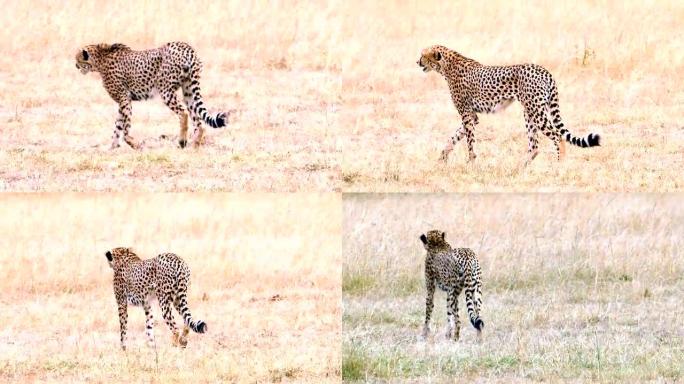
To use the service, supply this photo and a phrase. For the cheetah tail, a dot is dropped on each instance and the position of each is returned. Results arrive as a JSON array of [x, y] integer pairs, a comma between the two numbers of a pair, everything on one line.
[[475, 319], [477, 323], [474, 299], [215, 121], [592, 140], [199, 326]]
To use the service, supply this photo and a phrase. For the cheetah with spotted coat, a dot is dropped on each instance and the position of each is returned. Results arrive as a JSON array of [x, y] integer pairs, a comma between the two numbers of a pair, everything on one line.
[[452, 270], [137, 281], [477, 88], [130, 75]]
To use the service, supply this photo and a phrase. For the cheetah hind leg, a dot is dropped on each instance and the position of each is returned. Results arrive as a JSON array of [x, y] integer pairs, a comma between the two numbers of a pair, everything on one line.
[[198, 135], [454, 326], [560, 147], [131, 142], [180, 340]]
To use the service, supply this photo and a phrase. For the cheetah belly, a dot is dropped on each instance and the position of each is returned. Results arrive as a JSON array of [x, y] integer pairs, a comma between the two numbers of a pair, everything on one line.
[[143, 93], [493, 105]]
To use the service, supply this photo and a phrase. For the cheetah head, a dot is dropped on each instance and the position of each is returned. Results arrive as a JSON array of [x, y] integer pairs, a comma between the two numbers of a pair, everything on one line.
[[119, 254], [433, 239], [433, 58], [85, 59], [88, 58]]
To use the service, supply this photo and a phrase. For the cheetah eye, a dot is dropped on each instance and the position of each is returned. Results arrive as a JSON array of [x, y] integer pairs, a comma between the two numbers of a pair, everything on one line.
[[85, 55]]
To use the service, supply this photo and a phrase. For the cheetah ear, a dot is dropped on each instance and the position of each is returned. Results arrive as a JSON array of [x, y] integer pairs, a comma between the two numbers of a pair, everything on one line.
[[85, 55], [108, 254], [423, 239], [437, 56], [117, 46], [443, 236]]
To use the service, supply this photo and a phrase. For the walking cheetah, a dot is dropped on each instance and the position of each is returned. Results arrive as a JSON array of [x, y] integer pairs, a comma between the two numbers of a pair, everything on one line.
[[451, 270], [477, 88], [130, 75], [137, 281]]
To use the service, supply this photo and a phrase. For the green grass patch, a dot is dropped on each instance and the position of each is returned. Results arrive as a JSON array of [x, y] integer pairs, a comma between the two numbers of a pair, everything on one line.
[[154, 158], [356, 283], [354, 364], [359, 364], [407, 285], [369, 318], [85, 165]]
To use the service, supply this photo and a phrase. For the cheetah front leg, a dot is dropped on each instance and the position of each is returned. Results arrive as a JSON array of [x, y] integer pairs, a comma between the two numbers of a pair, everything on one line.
[[149, 322], [469, 122], [470, 139], [450, 145], [123, 125], [429, 305], [123, 317]]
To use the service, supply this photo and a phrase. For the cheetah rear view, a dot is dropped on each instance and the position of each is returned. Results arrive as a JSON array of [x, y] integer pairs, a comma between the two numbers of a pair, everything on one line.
[[451, 270], [137, 281], [130, 75]]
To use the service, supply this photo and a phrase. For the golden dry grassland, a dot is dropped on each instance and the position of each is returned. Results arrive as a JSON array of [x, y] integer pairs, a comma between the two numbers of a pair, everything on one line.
[[618, 66], [271, 64], [327, 96], [265, 277], [576, 288]]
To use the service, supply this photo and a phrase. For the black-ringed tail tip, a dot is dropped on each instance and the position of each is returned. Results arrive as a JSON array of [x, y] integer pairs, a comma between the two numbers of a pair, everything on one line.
[[217, 121], [199, 327], [478, 324], [592, 140]]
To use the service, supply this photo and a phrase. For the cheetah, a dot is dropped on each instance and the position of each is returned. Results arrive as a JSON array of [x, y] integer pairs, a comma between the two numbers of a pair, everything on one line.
[[130, 75], [477, 88], [137, 282], [451, 270]]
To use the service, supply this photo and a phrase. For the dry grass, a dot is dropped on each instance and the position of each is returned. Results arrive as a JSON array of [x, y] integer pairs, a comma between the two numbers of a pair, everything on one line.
[[327, 96], [265, 278], [618, 66], [576, 288], [272, 65]]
